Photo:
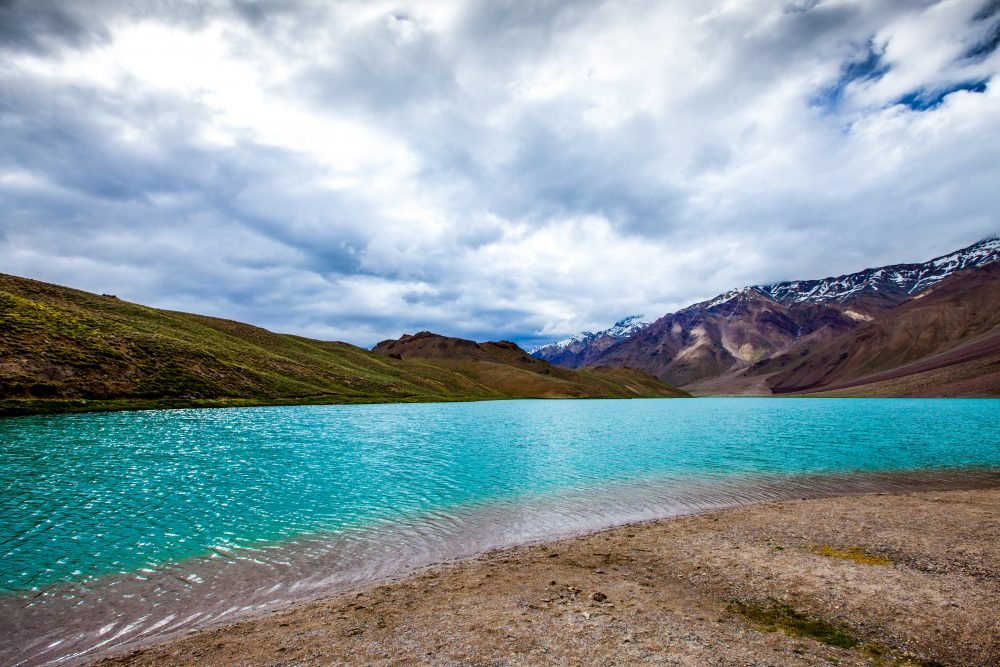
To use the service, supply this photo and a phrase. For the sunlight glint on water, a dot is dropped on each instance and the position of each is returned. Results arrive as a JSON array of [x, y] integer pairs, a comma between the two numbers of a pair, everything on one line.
[[179, 518]]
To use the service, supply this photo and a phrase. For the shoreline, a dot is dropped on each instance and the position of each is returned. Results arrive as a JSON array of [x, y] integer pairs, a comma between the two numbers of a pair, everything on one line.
[[12, 408], [145, 608], [483, 591]]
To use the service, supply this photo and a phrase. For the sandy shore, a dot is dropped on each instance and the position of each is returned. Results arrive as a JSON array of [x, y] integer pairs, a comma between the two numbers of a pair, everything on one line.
[[872, 580]]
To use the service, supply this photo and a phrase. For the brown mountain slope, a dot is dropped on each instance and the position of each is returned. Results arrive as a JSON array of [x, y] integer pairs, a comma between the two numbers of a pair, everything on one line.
[[726, 335], [970, 370], [506, 367], [428, 345], [955, 324]]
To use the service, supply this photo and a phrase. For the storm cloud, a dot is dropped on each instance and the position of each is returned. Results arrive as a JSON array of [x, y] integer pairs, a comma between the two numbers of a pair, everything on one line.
[[359, 169]]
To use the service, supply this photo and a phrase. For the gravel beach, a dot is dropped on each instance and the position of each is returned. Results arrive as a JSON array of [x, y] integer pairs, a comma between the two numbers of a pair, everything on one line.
[[888, 579]]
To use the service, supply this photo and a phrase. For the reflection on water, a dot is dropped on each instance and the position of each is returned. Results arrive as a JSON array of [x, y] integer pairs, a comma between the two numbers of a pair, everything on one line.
[[209, 515]]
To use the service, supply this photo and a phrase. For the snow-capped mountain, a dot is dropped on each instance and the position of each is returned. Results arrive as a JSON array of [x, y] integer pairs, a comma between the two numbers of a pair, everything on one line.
[[763, 328], [885, 286], [576, 350], [626, 327], [899, 280], [728, 297]]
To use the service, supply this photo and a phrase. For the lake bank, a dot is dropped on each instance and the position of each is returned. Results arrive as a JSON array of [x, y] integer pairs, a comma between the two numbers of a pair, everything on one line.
[[76, 622], [859, 579]]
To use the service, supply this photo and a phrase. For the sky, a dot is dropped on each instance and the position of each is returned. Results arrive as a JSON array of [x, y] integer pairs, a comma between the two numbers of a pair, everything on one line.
[[518, 169]]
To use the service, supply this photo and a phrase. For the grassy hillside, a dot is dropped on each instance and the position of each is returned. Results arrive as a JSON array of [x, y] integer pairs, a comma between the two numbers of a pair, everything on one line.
[[64, 349]]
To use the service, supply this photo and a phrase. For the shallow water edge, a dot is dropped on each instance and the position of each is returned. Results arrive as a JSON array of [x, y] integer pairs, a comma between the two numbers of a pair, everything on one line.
[[73, 623]]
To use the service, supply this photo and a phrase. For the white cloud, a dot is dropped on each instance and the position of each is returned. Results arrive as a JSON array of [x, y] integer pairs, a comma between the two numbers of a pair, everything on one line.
[[490, 169]]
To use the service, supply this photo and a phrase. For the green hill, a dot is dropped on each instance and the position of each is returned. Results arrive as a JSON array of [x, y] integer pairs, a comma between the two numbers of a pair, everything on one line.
[[63, 349]]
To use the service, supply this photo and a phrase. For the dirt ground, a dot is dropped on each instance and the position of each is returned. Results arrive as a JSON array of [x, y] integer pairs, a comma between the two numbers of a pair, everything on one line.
[[911, 579]]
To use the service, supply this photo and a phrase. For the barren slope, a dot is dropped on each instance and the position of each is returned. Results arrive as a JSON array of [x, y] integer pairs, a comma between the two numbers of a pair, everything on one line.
[[960, 312]]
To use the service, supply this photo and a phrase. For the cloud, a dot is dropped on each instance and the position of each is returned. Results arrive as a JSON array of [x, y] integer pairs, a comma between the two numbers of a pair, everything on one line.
[[355, 170], [42, 26]]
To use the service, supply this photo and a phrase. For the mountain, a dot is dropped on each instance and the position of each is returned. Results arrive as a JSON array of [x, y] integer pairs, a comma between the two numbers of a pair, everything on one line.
[[733, 331], [887, 286], [64, 349], [583, 348], [734, 342], [946, 340], [505, 366]]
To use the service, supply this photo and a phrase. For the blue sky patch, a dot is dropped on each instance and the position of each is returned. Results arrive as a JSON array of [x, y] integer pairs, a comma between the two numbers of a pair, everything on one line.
[[922, 99], [869, 68]]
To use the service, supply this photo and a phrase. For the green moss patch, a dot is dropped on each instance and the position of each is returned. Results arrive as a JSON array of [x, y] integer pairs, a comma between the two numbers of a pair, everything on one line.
[[778, 616], [854, 554]]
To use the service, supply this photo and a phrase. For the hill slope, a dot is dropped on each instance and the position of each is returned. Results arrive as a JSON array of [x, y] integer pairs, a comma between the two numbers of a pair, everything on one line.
[[505, 366], [949, 336], [62, 348], [731, 332]]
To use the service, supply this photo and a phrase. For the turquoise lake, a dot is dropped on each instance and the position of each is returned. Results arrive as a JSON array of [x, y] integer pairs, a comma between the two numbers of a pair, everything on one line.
[[189, 510]]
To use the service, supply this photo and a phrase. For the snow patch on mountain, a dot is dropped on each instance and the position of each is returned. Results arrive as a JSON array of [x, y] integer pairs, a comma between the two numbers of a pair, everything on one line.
[[732, 295], [910, 278], [625, 327], [722, 298], [898, 282], [620, 330]]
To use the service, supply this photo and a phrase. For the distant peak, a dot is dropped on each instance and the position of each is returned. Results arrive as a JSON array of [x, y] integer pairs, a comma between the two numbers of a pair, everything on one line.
[[743, 293], [628, 321], [621, 329]]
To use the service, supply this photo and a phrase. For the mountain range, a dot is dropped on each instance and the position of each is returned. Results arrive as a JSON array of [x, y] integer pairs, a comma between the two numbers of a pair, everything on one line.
[[63, 349], [582, 348], [935, 323], [930, 329]]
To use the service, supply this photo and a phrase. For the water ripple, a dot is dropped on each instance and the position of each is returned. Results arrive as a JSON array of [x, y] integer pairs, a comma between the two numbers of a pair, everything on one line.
[[119, 527]]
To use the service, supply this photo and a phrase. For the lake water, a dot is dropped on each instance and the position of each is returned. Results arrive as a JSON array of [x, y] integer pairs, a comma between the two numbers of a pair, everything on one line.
[[122, 527]]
